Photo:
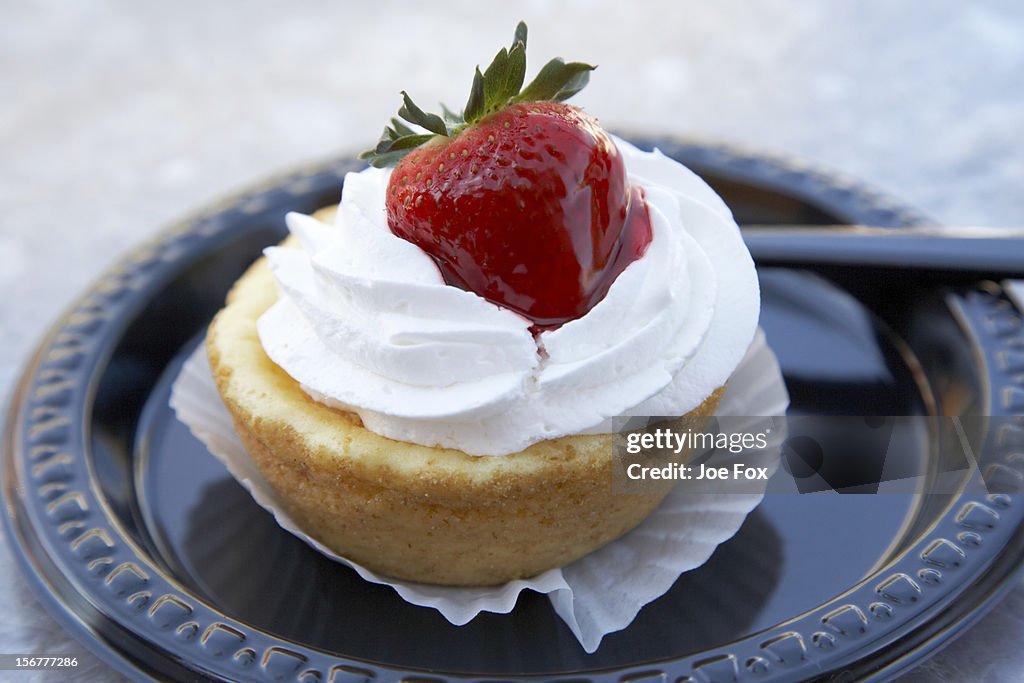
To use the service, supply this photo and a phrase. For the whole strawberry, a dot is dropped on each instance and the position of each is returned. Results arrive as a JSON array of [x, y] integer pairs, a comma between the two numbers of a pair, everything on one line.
[[522, 199]]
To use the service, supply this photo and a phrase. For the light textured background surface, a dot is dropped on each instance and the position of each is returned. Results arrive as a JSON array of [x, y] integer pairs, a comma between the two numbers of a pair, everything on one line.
[[118, 117]]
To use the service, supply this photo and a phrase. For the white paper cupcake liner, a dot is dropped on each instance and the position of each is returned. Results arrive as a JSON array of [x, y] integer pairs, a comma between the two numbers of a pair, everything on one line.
[[595, 595]]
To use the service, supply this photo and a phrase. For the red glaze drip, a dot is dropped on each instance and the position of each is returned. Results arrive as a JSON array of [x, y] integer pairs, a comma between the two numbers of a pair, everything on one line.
[[631, 245]]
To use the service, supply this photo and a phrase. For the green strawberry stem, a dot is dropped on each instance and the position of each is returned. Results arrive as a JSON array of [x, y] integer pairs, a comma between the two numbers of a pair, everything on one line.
[[500, 85]]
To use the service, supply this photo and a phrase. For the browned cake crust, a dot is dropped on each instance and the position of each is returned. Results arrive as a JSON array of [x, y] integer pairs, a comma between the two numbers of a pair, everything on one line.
[[424, 514]]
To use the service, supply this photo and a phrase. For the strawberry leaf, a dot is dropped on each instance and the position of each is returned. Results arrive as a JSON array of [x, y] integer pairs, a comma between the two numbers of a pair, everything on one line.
[[516, 68], [520, 35], [476, 105], [413, 114], [400, 128], [386, 138], [383, 160], [409, 142], [556, 81], [504, 77], [574, 84], [450, 117]]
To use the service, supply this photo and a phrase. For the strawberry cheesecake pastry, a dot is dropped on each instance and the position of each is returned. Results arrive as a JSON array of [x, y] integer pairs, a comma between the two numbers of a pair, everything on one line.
[[426, 375]]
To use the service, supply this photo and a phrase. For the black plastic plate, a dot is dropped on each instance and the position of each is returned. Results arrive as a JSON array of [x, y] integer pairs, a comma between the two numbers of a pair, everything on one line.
[[143, 545]]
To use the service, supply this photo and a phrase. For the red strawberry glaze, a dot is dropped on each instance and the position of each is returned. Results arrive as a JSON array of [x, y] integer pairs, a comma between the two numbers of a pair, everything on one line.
[[529, 208]]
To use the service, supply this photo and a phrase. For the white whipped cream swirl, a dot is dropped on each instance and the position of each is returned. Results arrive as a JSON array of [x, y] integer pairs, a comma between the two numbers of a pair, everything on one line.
[[365, 322]]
